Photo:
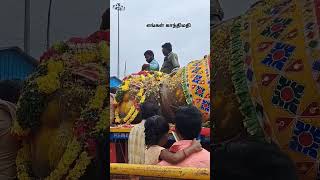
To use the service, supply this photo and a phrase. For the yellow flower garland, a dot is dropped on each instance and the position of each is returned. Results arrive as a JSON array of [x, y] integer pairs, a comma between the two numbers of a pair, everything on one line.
[[69, 156], [103, 124], [50, 82], [80, 167], [97, 101], [23, 156]]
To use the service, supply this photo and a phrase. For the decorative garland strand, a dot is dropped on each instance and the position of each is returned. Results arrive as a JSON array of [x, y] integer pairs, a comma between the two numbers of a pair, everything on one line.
[[239, 80], [185, 87]]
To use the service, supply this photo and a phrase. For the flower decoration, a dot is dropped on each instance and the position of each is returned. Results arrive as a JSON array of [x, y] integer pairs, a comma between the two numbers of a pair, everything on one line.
[[87, 60], [140, 86]]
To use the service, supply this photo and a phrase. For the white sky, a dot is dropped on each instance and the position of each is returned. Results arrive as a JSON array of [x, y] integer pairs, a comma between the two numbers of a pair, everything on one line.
[[135, 38]]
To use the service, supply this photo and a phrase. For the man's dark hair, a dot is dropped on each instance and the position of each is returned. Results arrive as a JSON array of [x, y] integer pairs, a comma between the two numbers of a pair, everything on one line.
[[188, 122], [149, 52], [251, 160], [149, 109], [10, 90], [167, 46], [155, 128]]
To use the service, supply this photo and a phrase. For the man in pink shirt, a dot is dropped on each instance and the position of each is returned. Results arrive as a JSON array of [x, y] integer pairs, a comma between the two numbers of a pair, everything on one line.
[[188, 126]]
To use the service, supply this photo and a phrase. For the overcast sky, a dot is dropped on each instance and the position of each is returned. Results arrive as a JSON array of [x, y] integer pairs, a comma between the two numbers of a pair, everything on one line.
[[82, 17], [135, 38], [234, 8], [70, 18]]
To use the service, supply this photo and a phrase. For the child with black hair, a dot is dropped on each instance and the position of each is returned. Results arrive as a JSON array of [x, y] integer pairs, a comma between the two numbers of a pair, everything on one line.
[[251, 159], [188, 121], [156, 136]]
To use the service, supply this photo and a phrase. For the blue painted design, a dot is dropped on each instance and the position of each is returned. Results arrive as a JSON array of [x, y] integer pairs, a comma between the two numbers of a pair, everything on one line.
[[278, 56], [205, 105], [197, 79], [200, 91], [277, 27], [249, 75], [305, 139], [316, 65], [196, 70], [287, 94]]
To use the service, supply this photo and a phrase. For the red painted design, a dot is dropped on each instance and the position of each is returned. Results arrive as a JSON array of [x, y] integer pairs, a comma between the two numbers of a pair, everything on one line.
[[283, 123], [310, 35], [287, 94], [292, 34], [193, 86], [277, 27], [198, 100], [248, 60], [278, 55], [312, 110], [264, 45], [268, 78], [296, 66], [305, 139], [304, 167]]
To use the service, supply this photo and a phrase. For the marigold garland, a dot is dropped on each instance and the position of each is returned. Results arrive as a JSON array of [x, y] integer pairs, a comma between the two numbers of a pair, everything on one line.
[[54, 73], [130, 83], [70, 155], [80, 167]]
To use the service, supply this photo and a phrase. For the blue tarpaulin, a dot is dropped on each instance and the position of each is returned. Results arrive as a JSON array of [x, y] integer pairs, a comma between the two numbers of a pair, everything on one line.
[[115, 82]]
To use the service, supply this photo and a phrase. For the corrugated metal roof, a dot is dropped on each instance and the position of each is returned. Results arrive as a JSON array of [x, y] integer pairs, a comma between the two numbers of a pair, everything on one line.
[[19, 51]]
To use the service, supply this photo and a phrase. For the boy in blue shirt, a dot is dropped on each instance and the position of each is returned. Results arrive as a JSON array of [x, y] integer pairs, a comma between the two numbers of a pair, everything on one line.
[[153, 64]]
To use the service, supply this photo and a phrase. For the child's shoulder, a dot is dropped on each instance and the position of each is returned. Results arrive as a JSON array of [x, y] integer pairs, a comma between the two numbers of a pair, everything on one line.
[[155, 148]]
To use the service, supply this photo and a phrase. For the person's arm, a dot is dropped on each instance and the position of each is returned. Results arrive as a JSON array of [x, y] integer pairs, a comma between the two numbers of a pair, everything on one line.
[[175, 61], [174, 158]]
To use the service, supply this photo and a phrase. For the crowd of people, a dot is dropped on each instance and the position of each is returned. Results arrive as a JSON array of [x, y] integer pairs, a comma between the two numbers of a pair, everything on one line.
[[148, 138], [170, 63]]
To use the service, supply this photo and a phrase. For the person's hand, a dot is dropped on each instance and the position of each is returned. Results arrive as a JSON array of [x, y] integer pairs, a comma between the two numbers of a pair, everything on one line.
[[195, 146]]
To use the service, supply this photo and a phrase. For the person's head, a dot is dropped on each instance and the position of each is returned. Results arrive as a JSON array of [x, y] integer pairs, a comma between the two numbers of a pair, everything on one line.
[[156, 131], [149, 109], [166, 48], [113, 90], [126, 97], [149, 56], [145, 67], [251, 160], [10, 90], [188, 121]]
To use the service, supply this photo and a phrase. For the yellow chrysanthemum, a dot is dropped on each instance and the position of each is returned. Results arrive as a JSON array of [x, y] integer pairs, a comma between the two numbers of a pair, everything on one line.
[[97, 101], [49, 83], [140, 92], [125, 88], [103, 123], [55, 67], [104, 51]]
